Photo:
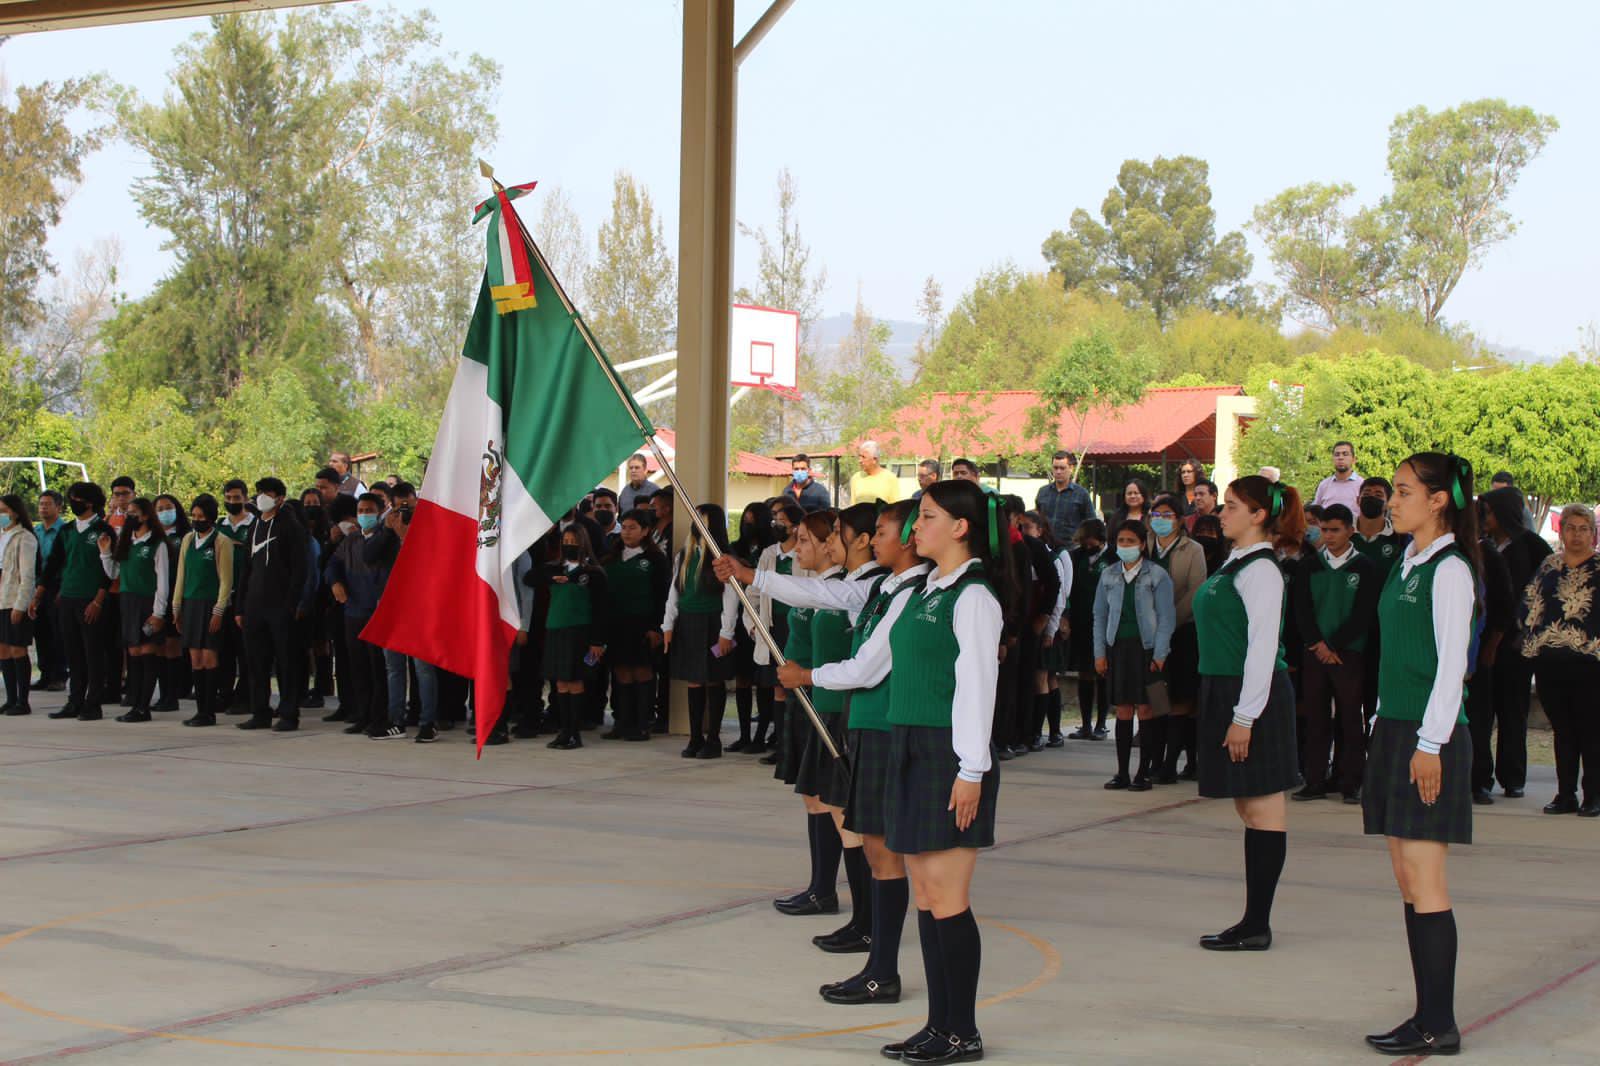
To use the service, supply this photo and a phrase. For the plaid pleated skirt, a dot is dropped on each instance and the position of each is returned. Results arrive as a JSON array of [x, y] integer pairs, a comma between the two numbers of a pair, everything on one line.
[[865, 807], [818, 770], [1057, 658], [625, 641], [197, 635], [564, 650], [693, 636], [1127, 672], [917, 814], [1273, 764], [1390, 803], [134, 614]]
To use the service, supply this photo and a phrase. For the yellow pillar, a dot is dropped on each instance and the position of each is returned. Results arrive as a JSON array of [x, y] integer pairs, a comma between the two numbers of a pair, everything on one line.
[[705, 262]]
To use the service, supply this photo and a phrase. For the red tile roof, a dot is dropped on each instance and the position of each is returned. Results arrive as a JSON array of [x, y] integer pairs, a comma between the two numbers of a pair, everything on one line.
[[1179, 421], [748, 464]]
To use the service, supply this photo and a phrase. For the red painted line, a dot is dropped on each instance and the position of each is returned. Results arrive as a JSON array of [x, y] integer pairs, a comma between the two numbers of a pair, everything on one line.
[[1516, 1004], [458, 964]]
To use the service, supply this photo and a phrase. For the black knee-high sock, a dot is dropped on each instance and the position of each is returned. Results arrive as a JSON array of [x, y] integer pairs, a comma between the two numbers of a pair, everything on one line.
[[1411, 944], [933, 972], [1086, 703], [1052, 711], [743, 700], [147, 683], [8, 672], [716, 707], [1103, 699], [961, 951], [859, 874], [1191, 739], [830, 849], [889, 901], [1436, 971], [1152, 752], [202, 691], [571, 704], [1174, 745], [763, 713], [697, 714], [325, 676], [1124, 745], [1264, 852], [22, 679]]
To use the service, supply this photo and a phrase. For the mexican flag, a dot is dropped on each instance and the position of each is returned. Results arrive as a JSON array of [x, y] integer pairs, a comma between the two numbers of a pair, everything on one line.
[[531, 425]]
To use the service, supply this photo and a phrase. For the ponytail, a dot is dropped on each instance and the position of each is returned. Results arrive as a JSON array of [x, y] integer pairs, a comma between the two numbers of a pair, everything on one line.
[[1452, 475], [1285, 527], [988, 534]]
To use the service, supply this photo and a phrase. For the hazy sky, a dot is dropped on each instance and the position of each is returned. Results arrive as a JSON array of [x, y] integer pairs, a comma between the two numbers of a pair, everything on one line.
[[936, 137]]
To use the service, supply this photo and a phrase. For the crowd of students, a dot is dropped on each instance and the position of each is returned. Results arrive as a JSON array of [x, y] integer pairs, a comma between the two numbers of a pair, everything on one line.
[[1269, 646]]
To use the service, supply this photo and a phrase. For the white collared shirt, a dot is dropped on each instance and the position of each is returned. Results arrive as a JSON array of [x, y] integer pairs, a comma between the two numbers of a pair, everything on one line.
[[1454, 593], [629, 554], [1130, 573], [728, 623], [1261, 590], [849, 595], [1336, 562]]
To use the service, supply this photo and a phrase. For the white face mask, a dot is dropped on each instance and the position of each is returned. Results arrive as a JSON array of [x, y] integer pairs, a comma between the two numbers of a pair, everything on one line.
[[265, 503]]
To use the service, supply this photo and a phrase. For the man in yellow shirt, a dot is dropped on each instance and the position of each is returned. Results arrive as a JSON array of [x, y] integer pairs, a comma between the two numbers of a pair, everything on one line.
[[872, 483]]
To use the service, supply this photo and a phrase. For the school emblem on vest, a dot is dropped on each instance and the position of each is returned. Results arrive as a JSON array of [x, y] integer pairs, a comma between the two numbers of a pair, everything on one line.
[[489, 498], [1388, 550], [1410, 594], [1354, 580]]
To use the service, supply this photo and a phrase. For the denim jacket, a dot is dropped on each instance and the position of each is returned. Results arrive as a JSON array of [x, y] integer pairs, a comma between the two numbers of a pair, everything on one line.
[[1152, 600]]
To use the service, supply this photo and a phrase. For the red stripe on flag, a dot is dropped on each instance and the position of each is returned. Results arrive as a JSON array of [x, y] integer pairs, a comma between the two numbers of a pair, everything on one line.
[[436, 608]]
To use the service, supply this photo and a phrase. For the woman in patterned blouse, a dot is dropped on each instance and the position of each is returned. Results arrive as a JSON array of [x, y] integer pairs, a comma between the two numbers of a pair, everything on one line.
[[1562, 638]]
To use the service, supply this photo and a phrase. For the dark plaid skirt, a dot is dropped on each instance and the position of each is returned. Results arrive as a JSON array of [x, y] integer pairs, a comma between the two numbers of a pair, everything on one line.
[[625, 641], [1273, 764], [1082, 648], [564, 650], [1183, 665], [1128, 669], [1390, 804], [917, 815], [744, 653], [15, 634], [767, 674], [136, 612], [818, 770], [796, 727], [1057, 658], [865, 809], [197, 633], [693, 636]]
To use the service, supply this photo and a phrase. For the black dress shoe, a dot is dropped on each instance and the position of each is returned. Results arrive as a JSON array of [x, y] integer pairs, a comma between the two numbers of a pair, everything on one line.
[[201, 719], [91, 714], [69, 711], [495, 739], [739, 745], [710, 751], [1117, 784], [1003, 754], [845, 942], [566, 742], [19, 710], [255, 723], [353, 728], [1189, 773], [866, 990], [1376, 1038], [910, 1043], [1140, 784], [525, 730], [692, 749], [337, 716], [1166, 779], [1513, 793], [756, 747], [1562, 805], [1101, 732], [1310, 792], [1410, 1040], [808, 905], [1056, 741], [286, 725], [1590, 808], [769, 759], [134, 716], [1235, 939], [946, 1047], [1081, 734], [1037, 744], [1482, 797]]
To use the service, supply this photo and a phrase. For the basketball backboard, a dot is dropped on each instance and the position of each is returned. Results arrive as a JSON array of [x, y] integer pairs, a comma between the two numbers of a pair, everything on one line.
[[766, 348]]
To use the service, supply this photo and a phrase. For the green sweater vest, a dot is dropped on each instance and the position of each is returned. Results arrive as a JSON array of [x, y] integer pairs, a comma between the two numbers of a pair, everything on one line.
[[830, 643], [1222, 624], [138, 571], [1333, 598], [869, 707], [200, 567], [692, 597], [924, 643], [82, 577], [1384, 550], [630, 584], [1410, 654], [780, 611], [1128, 620], [571, 604]]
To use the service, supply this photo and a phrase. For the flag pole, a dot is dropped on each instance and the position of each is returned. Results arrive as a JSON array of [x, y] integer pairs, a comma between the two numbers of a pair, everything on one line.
[[751, 615]]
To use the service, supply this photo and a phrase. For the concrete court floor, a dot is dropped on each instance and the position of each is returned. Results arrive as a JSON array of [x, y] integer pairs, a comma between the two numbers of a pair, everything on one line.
[[178, 896]]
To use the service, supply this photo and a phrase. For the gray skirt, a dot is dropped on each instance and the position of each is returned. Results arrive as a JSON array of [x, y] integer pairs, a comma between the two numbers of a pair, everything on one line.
[[1273, 764], [197, 633], [693, 636], [1390, 803], [15, 634], [922, 771], [564, 650], [865, 808], [1128, 671], [135, 611]]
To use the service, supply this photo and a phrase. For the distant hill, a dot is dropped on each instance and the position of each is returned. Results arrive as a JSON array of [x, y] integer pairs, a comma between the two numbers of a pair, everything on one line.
[[830, 332], [1512, 354]]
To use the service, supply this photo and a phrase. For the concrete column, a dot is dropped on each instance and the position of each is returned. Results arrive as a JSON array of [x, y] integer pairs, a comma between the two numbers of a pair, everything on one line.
[[705, 262]]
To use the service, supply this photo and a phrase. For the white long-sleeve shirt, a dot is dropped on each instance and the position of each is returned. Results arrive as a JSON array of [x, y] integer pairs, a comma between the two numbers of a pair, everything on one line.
[[1453, 595], [163, 597], [728, 627], [1261, 589], [850, 595], [1064, 572], [872, 662]]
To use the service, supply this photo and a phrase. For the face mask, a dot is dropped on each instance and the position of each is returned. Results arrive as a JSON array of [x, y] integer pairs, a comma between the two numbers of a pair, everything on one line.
[[800, 477], [1127, 554], [367, 522], [265, 503], [780, 531], [234, 509], [606, 519], [1371, 507], [569, 552], [1162, 527], [349, 527], [1313, 535], [5, 521], [201, 526], [79, 507], [167, 518], [313, 510]]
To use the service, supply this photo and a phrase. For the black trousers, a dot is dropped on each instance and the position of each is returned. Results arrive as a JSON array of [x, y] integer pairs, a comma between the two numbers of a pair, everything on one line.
[[52, 648], [525, 701], [1570, 693], [269, 647], [1480, 724], [1510, 691], [1004, 731], [365, 678], [233, 671], [86, 654], [1330, 700]]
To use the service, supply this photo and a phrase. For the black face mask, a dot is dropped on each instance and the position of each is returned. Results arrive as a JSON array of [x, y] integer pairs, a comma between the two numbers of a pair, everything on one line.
[[606, 519], [780, 531], [313, 512], [569, 552], [235, 509], [747, 530], [78, 507], [201, 526], [1372, 507]]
